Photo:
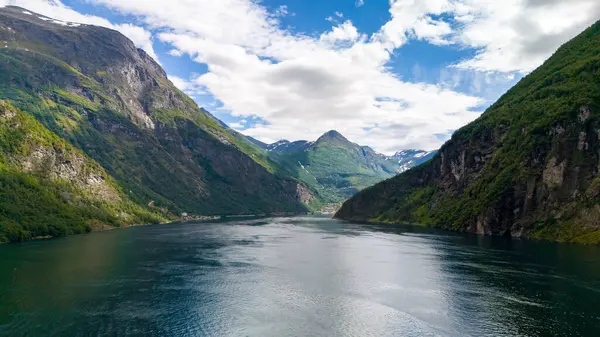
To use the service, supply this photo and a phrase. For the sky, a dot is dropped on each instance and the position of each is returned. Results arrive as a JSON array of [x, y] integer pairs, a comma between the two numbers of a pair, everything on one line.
[[390, 74]]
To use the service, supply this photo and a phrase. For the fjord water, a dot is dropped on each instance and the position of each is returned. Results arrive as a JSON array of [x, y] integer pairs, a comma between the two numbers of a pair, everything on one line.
[[305, 276]]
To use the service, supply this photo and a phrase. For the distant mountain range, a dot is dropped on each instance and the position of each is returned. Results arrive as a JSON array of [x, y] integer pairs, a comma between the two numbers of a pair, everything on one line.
[[337, 168]]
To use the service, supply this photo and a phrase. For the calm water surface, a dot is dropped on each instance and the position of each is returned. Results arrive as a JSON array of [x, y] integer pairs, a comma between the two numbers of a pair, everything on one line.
[[305, 276]]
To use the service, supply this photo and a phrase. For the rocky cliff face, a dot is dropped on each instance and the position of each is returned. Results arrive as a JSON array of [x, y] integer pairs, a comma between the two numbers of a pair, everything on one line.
[[35, 151], [95, 89], [59, 164], [528, 167]]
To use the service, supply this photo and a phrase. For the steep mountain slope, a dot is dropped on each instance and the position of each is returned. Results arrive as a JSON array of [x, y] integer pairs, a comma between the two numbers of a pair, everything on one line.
[[48, 188], [333, 166], [529, 166], [93, 88]]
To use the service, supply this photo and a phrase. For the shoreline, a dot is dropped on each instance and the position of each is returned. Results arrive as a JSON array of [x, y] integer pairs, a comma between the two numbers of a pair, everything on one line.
[[474, 233], [107, 228]]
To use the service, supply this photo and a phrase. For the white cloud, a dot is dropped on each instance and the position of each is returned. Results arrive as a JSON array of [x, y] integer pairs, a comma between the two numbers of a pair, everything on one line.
[[359, 3], [510, 35], [518, 35], [237, 126], [413, 18], [303, 98], [340, 33], [282, 11], [431, 30], [175, 52], [57, 10], [302, 86], [237, 22]]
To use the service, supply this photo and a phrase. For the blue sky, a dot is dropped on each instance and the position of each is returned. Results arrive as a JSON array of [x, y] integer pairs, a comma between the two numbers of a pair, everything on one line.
[[389, 74]]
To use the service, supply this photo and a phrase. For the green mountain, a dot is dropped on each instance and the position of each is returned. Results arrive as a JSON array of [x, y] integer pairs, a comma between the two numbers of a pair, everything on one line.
[[528, 167], [49, 188], [333, 166], [93, 89]]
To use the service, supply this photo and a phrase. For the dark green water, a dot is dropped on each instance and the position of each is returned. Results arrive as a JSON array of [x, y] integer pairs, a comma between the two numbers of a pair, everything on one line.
[[297, 277]]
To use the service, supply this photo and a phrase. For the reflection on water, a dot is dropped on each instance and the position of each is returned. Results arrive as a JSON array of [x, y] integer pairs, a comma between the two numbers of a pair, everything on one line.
[[307, 276]]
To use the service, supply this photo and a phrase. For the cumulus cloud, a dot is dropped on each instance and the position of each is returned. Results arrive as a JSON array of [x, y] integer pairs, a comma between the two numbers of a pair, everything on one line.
[[414, 19], [509, 35], [343, 32], [299, 85], [57, 10], [302, 86], [518, 35]]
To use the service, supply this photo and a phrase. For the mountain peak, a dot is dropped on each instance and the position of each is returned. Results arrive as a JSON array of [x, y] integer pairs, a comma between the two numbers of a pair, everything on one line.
[[332, 135]]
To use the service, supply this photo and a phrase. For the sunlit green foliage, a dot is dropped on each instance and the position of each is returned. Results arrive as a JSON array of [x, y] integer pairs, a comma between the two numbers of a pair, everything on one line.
[[33, 204]]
